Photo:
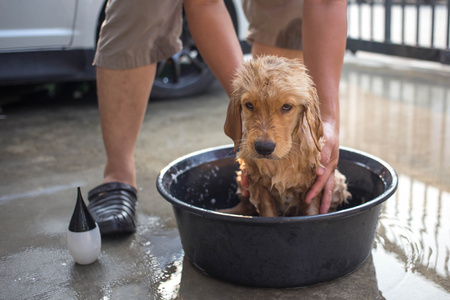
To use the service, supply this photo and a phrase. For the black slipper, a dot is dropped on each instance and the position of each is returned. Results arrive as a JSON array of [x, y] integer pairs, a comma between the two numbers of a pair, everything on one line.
[[113, 206]]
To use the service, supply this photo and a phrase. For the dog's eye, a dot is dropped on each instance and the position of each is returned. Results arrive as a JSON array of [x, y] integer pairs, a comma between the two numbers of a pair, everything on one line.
[[286, 107], [249, 105]]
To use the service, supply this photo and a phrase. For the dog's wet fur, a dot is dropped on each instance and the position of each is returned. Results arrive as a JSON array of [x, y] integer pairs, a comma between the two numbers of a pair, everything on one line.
[[274, 120]]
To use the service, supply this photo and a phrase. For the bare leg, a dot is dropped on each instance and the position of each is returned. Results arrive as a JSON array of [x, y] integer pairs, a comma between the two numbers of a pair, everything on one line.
[[259, 49], [122, 97]]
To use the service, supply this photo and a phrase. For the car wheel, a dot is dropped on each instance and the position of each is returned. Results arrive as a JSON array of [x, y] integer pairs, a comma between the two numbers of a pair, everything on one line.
[[183, 74]]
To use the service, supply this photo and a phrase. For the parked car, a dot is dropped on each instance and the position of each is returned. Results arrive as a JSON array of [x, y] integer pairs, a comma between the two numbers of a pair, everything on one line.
[[55, 40]]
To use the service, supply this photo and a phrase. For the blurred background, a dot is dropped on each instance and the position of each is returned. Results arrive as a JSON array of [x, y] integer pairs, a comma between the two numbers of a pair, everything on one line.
[[395, 104]]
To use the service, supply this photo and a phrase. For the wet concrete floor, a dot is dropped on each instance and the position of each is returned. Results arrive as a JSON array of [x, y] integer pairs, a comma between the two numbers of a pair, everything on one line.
[[395, 109]]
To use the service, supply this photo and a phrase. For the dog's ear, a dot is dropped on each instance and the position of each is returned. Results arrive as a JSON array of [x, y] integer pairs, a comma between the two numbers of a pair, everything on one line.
[[313, 119], [233, 122]]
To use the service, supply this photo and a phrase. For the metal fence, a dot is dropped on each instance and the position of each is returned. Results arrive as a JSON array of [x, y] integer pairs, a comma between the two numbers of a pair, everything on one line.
[[409, 28]]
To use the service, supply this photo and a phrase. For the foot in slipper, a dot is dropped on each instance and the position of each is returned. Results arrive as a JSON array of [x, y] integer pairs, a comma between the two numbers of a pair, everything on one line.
[[113, 206]]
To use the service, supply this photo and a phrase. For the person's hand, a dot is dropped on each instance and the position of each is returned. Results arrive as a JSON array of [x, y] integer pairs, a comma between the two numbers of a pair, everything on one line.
[[325, 173]]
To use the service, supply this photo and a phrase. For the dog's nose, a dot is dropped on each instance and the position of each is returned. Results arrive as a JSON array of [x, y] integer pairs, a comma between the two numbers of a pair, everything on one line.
[[264, 147]]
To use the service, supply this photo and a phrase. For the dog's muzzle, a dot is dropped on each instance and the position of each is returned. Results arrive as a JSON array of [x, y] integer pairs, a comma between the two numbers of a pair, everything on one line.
[[264, 148]]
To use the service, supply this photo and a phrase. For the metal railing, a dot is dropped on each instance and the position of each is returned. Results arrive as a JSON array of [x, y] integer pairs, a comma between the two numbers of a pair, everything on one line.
[[417, 29]]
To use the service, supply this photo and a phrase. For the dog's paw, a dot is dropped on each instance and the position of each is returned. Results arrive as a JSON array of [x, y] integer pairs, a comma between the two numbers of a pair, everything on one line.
[[244, 208]]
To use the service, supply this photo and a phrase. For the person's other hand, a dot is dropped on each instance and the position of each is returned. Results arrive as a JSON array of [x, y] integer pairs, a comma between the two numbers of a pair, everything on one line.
[[244, 184]]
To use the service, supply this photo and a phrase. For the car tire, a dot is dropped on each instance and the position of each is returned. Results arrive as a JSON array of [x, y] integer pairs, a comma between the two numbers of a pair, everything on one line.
[[183, 74]]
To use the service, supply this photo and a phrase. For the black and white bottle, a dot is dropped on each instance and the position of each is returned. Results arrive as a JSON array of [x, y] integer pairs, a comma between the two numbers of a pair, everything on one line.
[[83, 238]]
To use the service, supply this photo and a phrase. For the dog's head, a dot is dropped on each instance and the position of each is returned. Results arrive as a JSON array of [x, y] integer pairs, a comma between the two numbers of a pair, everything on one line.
[[273, 103]]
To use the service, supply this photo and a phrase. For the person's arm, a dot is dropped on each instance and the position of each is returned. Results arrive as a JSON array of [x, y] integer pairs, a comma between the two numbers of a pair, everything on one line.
[[324, 37], [213, 32]]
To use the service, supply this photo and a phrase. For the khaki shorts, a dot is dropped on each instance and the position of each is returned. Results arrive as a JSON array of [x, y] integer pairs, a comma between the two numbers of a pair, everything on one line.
[[275, 23], [136, 33]]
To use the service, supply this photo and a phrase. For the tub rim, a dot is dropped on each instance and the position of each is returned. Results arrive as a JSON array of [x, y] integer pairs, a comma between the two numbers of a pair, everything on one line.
[[390, 181]]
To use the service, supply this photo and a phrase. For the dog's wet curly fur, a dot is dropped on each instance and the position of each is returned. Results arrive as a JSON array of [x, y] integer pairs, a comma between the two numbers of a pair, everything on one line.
[[274, 120]]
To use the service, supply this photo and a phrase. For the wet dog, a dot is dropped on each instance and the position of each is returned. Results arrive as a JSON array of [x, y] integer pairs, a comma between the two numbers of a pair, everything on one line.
[[274, 120]]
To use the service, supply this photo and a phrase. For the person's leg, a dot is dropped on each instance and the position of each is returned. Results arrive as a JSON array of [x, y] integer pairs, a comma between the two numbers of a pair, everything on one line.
[[122, 98], [135, 35]]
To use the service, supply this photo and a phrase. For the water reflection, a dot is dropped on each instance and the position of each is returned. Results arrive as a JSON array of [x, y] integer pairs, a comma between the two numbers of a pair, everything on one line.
[[418, 206], [361, 284], [405, 120], [415, 228]]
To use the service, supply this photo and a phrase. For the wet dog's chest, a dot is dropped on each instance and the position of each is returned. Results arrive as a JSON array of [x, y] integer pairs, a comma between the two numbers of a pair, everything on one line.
[[287, 186], [287, 178]]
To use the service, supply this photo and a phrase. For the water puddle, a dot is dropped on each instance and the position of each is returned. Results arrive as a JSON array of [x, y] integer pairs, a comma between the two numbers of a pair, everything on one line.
[[412, 246], [408, 117]]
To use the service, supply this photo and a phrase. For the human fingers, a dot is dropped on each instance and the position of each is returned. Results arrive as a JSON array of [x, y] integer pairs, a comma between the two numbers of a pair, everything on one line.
[[323, 173], [318, 186], [327, 195]]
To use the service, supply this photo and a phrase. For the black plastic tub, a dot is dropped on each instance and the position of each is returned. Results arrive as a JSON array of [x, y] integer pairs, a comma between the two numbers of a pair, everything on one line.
[[273, 252]]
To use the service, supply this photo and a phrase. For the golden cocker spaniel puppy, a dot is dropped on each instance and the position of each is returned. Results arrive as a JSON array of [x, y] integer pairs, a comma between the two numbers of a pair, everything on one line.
[[274, 120]]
